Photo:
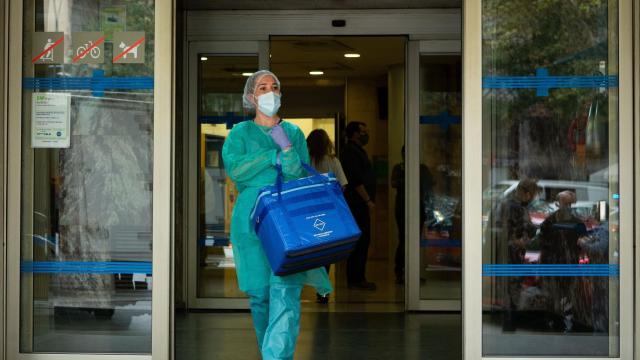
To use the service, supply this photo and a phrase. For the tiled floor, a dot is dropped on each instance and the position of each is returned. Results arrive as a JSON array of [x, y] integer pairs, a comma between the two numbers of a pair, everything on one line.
[[355, 324], [325, 335]]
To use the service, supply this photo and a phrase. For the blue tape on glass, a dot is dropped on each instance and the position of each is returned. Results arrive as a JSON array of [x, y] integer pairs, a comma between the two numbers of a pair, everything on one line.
[[551, 270], [97, 83], [443, 119], [442, 243], [86, 267], [542, 82]]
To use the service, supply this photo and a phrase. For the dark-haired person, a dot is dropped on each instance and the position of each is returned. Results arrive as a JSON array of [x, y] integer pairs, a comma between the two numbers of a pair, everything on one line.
[[323, 159], [360, 195], [559, 244], [510, 231], [426, 189]]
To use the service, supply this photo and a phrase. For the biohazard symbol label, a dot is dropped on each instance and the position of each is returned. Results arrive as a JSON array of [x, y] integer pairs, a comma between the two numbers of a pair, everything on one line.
[[319, 224]]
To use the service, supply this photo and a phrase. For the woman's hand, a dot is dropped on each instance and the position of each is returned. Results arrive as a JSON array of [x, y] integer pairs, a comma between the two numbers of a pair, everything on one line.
[[280, 137]]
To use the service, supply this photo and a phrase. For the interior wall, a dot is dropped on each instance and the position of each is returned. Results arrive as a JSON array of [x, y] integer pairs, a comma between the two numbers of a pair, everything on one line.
[[362, 105], [311, 102], [395, 140]]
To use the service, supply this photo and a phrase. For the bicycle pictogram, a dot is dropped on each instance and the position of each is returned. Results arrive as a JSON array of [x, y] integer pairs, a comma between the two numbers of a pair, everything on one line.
[[88, 48], [82, 52]]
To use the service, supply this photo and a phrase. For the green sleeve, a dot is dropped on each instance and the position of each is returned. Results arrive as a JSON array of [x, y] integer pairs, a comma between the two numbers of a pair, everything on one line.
[[240, 165], [291, 159]]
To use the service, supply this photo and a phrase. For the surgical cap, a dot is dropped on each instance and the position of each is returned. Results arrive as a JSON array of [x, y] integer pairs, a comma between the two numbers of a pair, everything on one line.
[[250, 87]]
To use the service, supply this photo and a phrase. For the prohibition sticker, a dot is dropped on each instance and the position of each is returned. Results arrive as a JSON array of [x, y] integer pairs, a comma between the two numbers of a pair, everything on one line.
[[47, 48], [128, 47], [88, 47]]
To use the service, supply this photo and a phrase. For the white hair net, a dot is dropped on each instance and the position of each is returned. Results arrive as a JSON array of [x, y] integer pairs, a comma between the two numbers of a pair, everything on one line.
[[250, 87]]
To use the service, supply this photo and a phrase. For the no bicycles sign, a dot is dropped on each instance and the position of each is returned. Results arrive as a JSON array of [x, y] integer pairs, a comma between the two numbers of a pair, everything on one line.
[[87, 47]]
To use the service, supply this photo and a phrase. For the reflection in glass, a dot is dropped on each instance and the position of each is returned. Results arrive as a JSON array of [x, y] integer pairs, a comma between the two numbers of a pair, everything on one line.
[[221, 83], [440, 177], [86, 239], [550, 199]]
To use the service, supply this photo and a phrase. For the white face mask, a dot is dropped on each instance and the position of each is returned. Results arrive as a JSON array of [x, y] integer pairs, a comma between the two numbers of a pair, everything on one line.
[[269, 103]]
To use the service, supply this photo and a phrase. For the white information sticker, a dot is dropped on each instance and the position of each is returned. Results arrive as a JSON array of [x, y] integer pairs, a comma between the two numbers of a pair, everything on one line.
[[50, 120]]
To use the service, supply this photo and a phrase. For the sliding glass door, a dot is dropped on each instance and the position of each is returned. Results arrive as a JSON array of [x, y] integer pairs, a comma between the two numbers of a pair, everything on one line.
[[549, 173], [89, 179]]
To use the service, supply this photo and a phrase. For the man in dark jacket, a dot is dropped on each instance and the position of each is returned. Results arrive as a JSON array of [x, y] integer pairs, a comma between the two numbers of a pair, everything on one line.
[[559, 245], [360, 195], [510, 232], [426, 192]]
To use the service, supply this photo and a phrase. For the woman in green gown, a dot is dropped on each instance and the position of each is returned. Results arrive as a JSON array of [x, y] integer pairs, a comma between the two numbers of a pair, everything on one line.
[[250, 154]]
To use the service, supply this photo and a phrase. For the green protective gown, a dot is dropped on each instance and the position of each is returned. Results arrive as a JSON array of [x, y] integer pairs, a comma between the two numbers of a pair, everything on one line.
[[249, 156]]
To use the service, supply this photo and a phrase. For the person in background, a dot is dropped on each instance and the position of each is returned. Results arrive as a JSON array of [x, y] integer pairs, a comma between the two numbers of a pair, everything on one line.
[[559, 235], [323, 159], [360, 195], [426, 189], [510, 231], [595, 248], [251, 153]]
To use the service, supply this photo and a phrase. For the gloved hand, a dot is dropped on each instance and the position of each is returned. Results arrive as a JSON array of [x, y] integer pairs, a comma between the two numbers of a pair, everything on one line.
[[280, 137]]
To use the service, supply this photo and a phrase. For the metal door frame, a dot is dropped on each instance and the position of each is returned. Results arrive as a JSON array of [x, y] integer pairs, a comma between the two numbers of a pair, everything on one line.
[[3, 142], [162, 175], [472, 188], [195, 50], [417, 48], [636, 147]]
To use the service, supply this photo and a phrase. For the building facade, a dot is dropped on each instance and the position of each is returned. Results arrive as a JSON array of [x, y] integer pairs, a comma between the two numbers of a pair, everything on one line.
[[518, 120]]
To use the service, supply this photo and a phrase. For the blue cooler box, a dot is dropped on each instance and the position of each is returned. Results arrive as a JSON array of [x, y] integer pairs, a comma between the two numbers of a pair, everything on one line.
[[305, 225]]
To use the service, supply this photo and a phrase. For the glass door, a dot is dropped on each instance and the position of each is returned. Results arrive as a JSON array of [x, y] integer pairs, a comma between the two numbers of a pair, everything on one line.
[[548, 179], [217, 73], [89, 180], [434, 155]]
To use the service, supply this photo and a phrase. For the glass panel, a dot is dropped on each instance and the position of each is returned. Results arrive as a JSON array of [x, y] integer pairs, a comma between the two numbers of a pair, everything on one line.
[[550, 174], [220, 84], [440, 177], [87, 177]]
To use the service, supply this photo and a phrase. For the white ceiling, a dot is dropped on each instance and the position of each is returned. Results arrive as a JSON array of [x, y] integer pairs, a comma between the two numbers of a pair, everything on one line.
[[317, 4]]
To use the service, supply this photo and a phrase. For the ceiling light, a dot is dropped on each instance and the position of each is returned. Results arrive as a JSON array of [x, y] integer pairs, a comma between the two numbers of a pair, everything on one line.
[[247, 74], [204, 58], [352, 55], [316, 72]]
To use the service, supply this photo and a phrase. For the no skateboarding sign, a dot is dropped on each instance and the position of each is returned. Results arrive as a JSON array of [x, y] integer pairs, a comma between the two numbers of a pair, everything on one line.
[[48, 48], [128, 47]]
